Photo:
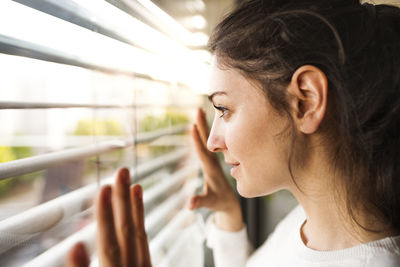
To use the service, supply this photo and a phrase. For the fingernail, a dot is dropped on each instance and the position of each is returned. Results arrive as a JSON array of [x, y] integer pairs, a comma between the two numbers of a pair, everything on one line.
[[138, 191], [124, 173]]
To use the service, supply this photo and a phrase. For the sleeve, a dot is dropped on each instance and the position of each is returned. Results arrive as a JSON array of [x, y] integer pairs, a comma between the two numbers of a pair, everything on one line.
[[230, 249]]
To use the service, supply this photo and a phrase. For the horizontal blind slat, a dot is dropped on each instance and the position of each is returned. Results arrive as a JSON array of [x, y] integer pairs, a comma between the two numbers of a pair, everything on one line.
[[41, 162], [155, 16], [55, 256], [48, 105], [13, 46], [107, 19], [174, 63], [120, 45], [27, 224], [109, 55]]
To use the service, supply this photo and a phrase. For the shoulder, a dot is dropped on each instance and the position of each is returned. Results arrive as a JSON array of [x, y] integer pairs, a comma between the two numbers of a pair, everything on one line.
[[387, 260], [287, 229], [384, 252], [292, 220], [297, 213], [282, 241]]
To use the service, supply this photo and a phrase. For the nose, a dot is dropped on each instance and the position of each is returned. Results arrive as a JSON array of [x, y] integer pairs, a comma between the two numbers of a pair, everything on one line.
[[216, 139]]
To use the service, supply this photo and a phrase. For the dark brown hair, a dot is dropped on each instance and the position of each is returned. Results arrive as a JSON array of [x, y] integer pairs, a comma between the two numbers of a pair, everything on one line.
[[358, 48]]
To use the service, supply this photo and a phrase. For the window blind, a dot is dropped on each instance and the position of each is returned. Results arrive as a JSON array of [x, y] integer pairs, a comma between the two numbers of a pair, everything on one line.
[[87, 87]]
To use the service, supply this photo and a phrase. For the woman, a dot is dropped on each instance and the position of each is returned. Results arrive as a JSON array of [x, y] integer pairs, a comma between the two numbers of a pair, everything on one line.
[[307, 99]]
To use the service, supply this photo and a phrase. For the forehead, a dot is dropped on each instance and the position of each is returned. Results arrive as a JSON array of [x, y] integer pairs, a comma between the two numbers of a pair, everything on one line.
[[230, 81]]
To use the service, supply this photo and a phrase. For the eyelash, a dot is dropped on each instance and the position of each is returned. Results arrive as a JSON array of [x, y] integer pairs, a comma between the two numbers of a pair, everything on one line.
[[222, 109]]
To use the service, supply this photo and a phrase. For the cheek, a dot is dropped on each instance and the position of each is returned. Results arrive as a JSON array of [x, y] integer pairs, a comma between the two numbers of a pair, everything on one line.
[[239, 139], [263, 155], [248, 137]]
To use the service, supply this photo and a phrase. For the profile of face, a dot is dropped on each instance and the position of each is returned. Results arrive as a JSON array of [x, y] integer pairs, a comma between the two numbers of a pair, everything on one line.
[[248, 131]]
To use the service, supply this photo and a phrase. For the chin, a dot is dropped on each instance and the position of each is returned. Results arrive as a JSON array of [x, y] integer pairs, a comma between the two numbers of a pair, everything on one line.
[[249, 192]]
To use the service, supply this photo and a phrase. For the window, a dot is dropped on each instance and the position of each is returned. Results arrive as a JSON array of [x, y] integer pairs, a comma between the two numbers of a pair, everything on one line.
[[86, 88]]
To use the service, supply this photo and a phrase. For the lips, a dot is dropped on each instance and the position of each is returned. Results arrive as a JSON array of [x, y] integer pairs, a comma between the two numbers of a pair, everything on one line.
[[234, 167]]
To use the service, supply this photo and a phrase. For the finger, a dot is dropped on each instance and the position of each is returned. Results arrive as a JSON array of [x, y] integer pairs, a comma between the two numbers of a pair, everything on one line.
[[201, 122], [199, 145], [108, 249], [123, 218], [208, 160], [143, 254], [194, 202], [78, 256]]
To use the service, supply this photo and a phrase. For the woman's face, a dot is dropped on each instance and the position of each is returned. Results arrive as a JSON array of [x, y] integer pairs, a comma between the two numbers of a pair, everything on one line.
[[249, 132]]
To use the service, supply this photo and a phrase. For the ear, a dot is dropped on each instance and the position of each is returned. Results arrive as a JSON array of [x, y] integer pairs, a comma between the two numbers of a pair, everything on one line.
[[308, 92]]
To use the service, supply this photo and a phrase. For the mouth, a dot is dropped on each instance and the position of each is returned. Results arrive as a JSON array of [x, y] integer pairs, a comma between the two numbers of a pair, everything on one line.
[[234, 167], [233, 164]]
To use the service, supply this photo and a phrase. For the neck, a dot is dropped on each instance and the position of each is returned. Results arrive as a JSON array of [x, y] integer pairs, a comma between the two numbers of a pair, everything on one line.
[[324, 228], [327, 225]]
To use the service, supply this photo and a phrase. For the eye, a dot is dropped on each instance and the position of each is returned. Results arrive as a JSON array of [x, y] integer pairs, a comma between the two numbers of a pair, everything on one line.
[[223, 110]]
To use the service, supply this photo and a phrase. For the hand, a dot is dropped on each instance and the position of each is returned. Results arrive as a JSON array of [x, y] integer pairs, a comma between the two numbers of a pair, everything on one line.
[[121, 240], [217, 194]]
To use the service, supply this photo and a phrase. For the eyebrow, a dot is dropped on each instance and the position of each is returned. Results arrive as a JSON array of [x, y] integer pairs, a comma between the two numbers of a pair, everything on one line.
[[210, 97]]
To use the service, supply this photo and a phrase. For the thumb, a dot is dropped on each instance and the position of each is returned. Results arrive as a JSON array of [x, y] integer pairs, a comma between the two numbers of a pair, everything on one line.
[[200, 201]]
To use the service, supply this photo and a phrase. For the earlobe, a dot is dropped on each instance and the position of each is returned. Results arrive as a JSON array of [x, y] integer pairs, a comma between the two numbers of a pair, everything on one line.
[[309, 92]]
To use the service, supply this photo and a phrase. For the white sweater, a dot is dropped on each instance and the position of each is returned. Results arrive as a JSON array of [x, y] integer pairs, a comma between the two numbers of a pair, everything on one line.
[[285, 248]]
